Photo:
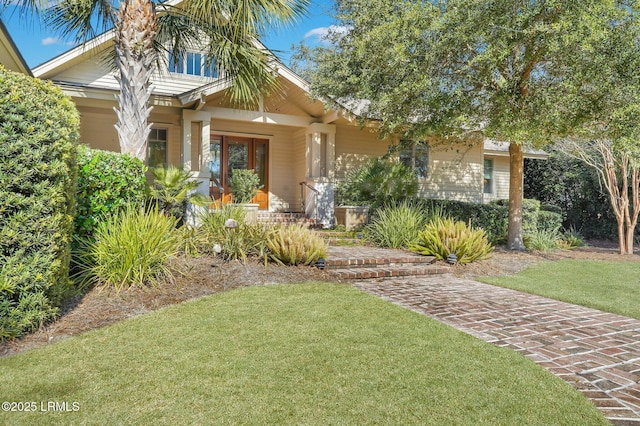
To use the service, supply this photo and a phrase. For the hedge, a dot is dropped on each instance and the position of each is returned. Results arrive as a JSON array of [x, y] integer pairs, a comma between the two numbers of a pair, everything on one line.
[[106, 181], [38, 136], [494, 216]]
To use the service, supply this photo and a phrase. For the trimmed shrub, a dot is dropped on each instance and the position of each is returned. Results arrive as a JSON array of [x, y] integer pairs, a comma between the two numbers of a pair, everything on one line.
[[132, 247], [377, 182], [295, 245], [549, 221], [441, 237], [106, 181], [397, 226], [38, 137]]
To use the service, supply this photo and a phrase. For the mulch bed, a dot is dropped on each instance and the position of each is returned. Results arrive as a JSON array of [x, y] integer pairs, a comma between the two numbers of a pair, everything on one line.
[[204, 276]]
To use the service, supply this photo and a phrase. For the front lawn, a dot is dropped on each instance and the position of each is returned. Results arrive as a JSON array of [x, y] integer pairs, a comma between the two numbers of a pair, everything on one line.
[[608, 286], [286, 354]]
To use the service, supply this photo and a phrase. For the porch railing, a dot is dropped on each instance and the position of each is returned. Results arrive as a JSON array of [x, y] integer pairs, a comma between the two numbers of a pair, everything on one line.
[[310, 199]]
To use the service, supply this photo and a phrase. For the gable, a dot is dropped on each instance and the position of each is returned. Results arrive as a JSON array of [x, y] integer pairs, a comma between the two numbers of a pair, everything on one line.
[[10, 57]]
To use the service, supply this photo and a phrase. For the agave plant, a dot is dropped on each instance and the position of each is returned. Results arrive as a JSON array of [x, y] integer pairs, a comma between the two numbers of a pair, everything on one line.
[[442, 237]]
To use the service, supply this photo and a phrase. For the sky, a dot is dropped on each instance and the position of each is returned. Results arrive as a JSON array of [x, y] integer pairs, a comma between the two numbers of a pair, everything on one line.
[[38, 44]]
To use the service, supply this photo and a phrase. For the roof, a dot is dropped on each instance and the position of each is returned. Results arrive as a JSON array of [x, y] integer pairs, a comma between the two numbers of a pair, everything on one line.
[[10, 56], [501, 149]]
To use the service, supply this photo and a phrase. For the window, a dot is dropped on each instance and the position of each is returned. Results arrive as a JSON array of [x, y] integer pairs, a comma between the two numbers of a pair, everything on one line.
[[488, 176], [193, 64], [157, 147], [416, 156]]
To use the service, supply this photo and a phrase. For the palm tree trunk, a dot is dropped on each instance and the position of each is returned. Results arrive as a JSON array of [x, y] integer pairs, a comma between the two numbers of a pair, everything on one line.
[[136, 27]]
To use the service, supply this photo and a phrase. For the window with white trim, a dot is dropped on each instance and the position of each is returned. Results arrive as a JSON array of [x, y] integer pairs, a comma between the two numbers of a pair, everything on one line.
[[416, 156], [488, 176], [157, 147], [193, 63]]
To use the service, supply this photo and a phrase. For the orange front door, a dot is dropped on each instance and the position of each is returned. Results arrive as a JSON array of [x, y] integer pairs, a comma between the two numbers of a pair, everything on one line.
[[228, 153]]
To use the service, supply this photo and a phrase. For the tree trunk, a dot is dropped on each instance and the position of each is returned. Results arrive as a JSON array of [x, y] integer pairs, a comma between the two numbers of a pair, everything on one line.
[[516, 170], [136, 28]]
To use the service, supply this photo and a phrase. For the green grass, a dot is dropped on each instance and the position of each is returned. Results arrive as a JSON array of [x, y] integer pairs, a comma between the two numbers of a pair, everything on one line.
[[609, 286], [287, 354]]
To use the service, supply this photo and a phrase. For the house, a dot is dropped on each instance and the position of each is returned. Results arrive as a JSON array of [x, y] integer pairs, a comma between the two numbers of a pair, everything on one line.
[[10, 57], [298, 148]]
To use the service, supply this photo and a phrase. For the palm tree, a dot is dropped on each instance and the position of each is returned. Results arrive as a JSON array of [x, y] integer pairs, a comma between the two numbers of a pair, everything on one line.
[[144, 28]]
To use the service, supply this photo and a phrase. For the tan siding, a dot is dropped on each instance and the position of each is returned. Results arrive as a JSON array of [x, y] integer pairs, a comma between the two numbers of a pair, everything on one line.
[[500, 179], [354, 146], [454, 174], [97, 129], [283, 188], [95, 73]]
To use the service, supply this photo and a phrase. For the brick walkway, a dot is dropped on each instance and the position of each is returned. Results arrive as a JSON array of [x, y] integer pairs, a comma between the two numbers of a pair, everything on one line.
[[597, 352]]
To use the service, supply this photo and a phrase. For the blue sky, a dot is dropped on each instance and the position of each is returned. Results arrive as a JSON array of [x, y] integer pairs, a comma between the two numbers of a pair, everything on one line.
[[39, 44]]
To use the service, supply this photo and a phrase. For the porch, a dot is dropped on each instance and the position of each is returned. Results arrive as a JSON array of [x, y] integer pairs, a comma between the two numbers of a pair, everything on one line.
[[295, 160]]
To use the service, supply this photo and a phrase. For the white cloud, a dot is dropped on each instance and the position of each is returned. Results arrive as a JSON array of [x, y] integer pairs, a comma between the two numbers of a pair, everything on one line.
[[321, 33], [50, 40]]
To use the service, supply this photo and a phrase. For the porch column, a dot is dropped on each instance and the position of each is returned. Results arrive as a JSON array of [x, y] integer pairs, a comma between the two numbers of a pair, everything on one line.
[[193, 143], [320, 165]]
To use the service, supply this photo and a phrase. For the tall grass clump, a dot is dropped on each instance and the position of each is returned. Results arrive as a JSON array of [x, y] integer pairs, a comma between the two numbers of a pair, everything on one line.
[[542, 240], [397, 226], [295, 245], [231, 243], [132, 247], [442, 237]]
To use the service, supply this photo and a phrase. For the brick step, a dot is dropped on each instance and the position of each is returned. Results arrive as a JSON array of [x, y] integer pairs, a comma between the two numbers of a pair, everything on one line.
[[381, 262], [270, 218], [389, 272]]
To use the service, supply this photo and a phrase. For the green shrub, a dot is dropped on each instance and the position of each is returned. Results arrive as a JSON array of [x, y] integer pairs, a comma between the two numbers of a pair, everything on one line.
[[106, 181], [441, 237], [132, 247], [38, 176], [571, 238], [244, 185], [377, 182], [549, 221], [542, 240], [172, 189], [295, 245], [213, 237], [397, 226]]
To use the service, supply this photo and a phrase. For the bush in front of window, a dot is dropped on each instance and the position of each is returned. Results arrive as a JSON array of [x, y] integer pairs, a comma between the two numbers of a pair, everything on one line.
[[377, 182], [38, 135], [106, 181]]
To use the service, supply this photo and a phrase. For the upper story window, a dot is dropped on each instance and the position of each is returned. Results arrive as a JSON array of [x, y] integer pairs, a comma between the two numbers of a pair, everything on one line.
[[193, 64], [488, 176], [416, 156]]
